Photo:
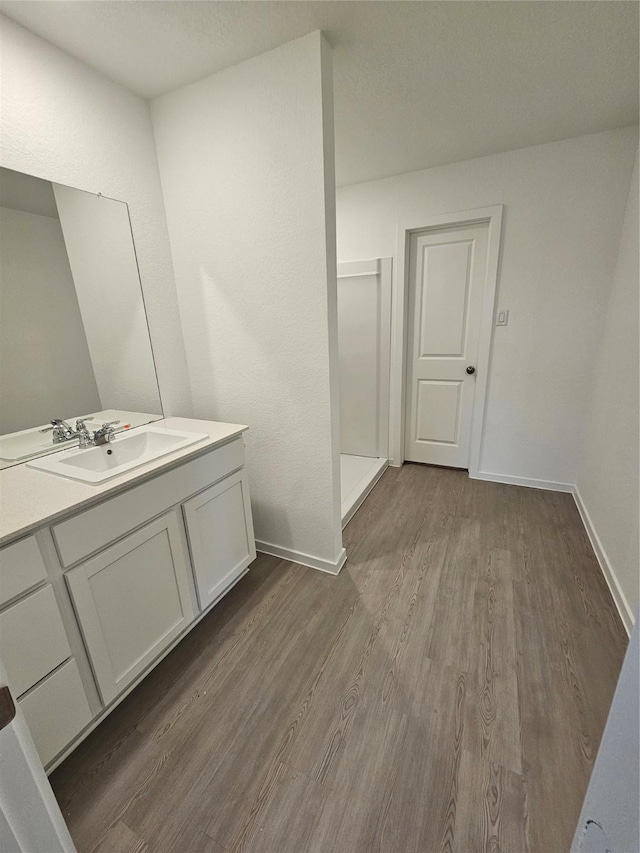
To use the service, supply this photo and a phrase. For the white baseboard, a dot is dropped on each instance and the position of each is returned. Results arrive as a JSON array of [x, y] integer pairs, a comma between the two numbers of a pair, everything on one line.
[[318, 563], [548, 485], [626, 614]]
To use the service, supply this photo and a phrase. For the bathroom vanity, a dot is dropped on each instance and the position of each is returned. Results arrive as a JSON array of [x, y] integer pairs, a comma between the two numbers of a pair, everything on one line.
[[99, 580]]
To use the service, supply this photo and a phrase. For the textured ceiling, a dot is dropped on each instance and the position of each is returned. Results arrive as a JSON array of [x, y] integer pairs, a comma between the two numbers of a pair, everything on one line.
[[417, 84]]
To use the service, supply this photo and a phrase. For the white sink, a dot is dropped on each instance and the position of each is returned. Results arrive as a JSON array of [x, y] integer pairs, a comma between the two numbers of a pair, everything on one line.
[[97, 464]]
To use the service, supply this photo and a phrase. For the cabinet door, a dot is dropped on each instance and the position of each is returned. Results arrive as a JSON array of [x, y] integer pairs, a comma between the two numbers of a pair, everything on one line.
[[132, 600], [220, 531]]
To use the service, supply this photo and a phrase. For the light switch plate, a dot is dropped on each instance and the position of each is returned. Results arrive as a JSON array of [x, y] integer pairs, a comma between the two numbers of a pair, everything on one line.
[[503, 318]]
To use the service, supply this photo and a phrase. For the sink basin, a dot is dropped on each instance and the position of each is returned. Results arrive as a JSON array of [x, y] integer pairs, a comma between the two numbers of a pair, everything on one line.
[[97, 464]]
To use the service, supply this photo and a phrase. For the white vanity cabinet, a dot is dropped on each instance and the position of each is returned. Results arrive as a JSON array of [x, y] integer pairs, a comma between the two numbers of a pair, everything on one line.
[[97, 597], [132, 601]]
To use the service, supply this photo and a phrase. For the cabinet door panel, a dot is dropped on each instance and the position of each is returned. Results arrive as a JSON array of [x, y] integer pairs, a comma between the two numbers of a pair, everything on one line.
[[220, 531], [132, 600]]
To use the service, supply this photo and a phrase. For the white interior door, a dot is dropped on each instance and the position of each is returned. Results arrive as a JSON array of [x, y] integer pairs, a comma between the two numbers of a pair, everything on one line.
[[447, 269]]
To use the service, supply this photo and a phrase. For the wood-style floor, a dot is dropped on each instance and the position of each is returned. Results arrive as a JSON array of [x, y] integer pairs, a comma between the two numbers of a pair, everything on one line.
[[446, 692]]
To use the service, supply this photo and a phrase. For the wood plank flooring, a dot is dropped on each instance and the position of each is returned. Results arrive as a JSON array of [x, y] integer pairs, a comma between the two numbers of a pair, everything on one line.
[[446, 692]]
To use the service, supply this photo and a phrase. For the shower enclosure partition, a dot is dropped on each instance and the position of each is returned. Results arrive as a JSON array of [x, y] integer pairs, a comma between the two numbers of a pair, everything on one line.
[[364, 329]]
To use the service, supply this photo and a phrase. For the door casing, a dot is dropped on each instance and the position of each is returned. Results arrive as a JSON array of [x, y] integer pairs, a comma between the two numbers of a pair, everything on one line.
[[493, 216]]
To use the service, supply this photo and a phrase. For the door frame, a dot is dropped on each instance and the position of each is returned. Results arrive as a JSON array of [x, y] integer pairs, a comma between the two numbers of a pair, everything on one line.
[[493, 216]]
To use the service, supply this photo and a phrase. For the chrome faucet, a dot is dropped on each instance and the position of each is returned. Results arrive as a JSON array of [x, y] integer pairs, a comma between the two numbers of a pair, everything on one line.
[[84, 436], [61, 431], [104, 435]]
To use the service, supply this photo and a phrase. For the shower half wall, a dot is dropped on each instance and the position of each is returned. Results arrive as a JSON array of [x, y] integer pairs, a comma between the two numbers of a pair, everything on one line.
[[364, 329]]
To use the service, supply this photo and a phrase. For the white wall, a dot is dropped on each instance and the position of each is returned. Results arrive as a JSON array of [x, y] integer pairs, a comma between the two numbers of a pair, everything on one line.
[[564, 208], [66, 123], [103, 262], [612, 797], [608, 472], [246, 163], [46, 370]]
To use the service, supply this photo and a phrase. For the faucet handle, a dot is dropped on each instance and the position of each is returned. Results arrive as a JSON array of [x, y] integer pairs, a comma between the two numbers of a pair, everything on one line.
[[106, 433]]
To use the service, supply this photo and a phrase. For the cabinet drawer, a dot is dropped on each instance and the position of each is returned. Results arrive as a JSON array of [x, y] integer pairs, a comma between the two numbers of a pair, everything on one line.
[[220, 532], [56, 710], [21, 567], [32, 639], [88, 532], [132, 601]]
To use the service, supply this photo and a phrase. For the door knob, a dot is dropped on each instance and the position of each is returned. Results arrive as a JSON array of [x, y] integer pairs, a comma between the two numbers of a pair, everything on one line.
[[471, 370]]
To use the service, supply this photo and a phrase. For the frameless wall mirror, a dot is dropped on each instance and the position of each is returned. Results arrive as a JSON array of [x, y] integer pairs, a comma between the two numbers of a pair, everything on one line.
[[74, 340]]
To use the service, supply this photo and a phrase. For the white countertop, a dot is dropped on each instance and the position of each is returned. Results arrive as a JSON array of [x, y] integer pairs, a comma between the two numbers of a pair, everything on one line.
[[30, 499]]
